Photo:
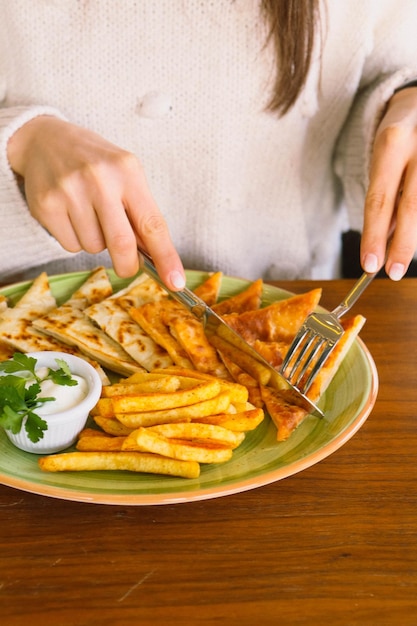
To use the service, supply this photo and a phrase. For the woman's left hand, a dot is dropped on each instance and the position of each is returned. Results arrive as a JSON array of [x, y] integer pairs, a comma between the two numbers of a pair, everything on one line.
[[391, 200]]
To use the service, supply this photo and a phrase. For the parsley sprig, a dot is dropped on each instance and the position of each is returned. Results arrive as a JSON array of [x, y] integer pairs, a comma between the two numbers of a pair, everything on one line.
[[19, 394]]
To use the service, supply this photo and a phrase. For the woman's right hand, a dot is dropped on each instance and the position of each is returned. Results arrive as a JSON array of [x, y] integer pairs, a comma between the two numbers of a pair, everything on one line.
[[91, 195]]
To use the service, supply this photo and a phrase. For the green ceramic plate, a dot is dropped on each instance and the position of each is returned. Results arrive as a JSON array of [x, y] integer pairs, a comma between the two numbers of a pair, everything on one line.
[[258, 461]]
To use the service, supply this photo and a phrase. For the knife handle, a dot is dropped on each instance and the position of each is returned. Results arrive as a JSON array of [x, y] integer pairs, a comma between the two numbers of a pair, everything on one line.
[[186, 297]]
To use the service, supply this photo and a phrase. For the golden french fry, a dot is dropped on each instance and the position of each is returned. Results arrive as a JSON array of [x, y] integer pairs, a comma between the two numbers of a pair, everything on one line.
[[112, 426], [237, 422], [104, 408], [91, 432], [141, 377], [238, 392], [200, 432], [98, 443], [129, 461], [146, 440], [218, 404], [156, 401], [166, 384]]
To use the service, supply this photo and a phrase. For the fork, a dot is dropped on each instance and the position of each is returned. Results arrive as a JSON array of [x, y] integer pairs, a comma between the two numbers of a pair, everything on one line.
[[316, 339]]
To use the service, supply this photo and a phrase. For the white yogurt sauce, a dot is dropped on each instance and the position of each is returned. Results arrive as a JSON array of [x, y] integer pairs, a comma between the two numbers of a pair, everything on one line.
[[65, 396]]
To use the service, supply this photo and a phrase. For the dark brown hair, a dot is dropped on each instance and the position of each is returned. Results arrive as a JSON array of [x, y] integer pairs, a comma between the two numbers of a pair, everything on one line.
[[292, 27]]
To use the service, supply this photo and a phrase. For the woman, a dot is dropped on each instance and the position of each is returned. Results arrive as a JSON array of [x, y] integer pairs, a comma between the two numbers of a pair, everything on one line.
[[240, 136]]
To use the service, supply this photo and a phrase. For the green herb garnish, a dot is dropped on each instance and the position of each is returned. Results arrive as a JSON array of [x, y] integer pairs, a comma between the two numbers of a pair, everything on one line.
[[18, 399]]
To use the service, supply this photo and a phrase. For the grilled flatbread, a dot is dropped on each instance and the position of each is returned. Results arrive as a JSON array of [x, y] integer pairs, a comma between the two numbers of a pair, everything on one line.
[[17, 330], [279, 321], [209, 290], [69, 324], [283, 406], [283, 410], [74, 328], [116, 322], [94, 289], [247, 300], [148, 316], [352, 326], [189, 332], [143, 289]]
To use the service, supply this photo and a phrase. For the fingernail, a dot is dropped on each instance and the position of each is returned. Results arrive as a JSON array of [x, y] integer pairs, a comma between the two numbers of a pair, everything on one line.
[[396, 271], [370, 264], [177, 280]]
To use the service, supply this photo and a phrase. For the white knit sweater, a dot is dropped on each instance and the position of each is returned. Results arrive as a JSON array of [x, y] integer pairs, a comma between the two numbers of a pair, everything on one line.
[[184, 85]]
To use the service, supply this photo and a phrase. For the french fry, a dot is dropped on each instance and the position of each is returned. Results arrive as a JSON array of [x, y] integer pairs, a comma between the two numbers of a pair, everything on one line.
[[146, 440], [112, 426], [238, 392], [218, 404], [98, 443], [141, 377], [157, 401], [237, 422], [199, 432], [129, 461], [91, 432], [161, 383]]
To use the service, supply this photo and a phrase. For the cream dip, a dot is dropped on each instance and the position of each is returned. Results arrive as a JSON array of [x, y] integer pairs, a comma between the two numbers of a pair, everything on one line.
[[65, 396]]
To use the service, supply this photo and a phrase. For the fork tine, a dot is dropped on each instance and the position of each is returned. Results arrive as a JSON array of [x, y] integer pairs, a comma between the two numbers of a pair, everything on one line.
[[318, 365], [293, 349], [303, 358]]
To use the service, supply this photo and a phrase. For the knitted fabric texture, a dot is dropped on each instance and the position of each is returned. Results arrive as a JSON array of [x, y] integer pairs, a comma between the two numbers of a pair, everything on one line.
[[184, 85]]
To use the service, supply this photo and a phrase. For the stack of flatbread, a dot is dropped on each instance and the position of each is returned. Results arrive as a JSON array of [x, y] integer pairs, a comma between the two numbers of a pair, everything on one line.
[[140, 328]]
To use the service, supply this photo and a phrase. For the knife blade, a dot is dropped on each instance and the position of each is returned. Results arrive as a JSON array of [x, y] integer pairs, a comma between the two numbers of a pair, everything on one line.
[[214, 324]]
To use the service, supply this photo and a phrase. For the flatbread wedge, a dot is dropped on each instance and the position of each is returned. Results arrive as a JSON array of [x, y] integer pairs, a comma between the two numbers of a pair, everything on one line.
[[141, 290], [95, 288], [278, 321], [352, 327], [17, 330], [149, 318], [284, 411], [210, 288], [72, 327], [112, 318], [283, 405], [247, 300], [189, 332]]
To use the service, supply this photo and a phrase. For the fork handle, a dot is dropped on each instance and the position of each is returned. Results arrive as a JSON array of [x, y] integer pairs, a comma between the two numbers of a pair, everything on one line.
[[353, 295]]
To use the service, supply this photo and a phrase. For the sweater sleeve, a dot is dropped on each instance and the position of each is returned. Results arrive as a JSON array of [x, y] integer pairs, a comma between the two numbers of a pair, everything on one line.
[[23, 241]]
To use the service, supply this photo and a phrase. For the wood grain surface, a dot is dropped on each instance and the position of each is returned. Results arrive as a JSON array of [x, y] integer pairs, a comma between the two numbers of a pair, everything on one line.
[[334, 544]]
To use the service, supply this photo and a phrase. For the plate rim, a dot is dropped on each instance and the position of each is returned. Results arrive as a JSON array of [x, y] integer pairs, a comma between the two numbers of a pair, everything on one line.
[[199, 494]]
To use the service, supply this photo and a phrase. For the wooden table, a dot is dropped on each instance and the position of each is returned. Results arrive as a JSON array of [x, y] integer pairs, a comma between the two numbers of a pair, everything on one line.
[[334, 544]]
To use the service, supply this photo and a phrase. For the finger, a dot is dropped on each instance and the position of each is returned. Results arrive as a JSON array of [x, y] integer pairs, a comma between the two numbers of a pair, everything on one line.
[[53, 216], [153, 235], [386, 173], [119, 237], [404, 240]]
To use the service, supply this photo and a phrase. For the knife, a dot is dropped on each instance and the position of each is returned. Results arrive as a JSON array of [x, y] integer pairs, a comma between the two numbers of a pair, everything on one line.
[[214, 324]]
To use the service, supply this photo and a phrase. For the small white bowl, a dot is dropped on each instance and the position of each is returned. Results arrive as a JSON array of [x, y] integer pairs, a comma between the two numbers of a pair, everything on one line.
[[63, 427]]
